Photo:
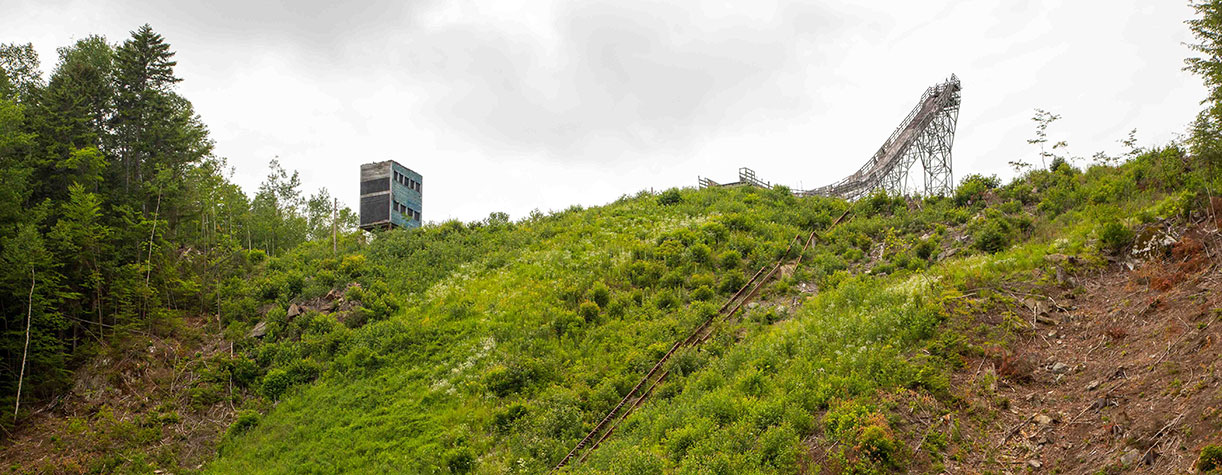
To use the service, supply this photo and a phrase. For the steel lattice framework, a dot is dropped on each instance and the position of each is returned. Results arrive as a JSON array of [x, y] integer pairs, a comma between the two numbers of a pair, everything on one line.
[[925, 135]]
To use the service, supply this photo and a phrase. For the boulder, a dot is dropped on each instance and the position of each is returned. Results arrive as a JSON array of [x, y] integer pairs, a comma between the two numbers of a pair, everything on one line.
[[259, 330], [294, 311]]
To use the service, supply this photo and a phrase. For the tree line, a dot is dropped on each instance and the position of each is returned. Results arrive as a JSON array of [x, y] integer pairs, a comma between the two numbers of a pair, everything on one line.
[[115, 213]]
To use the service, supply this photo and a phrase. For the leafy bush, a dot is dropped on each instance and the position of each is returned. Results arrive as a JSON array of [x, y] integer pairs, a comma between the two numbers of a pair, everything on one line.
[[1059, 164], [702, 280], [973, 188], [925, 249], [278, 380], [644, 274], [665, 300], [730, 259], [732, 282], [879, 202], [352, 265], [361, 359], [992, 238], [670, 197], [275, 383], [673, 279], [588, 311], [504, 420], [507, 379], [460, 460], [1210, 459], [1114, 236], [671, 251], [243, 371], [703, 293], [600, 294], [245, 421], [700, 253]]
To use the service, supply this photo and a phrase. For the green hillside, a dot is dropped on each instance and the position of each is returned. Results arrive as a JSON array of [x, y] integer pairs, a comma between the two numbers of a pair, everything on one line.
[[495, 346]]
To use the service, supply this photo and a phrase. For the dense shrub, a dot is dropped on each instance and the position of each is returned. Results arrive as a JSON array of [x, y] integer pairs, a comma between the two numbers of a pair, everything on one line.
[[600, 294], [644, 274], [666, 299], [511, 378], [588, 311], [1114, 236], [732, 282], [925, 248], [275, 383], [702, 280], [504, 420], [460, 460], [671, 251], [352, 265], [279, 380], [703, 293], [700, 253], [730, 259], [670, 197], [992, 238], [1210, 459], [245, 421], [973, 188]]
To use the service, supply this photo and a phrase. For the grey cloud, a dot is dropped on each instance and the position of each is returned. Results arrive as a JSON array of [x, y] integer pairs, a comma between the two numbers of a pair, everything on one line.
[[646, 76], [316, 25]]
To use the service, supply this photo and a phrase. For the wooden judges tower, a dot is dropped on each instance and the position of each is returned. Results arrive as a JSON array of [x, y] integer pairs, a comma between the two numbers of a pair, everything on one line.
[[391, 196]]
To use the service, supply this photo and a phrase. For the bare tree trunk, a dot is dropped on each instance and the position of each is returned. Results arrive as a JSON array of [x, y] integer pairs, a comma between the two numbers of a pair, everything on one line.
[[29, 318], [97, 287], [148, 263]]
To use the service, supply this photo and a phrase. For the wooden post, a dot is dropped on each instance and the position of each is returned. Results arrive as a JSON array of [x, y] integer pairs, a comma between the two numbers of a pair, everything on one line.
[[334, 227]]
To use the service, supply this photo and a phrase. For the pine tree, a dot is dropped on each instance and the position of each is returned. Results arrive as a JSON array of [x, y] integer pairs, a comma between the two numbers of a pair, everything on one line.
[[72, 112], [144, 75], [80, 236]]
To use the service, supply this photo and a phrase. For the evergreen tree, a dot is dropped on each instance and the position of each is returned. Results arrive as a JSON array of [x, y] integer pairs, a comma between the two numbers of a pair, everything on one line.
[[72, 111], [80, 236], [143, 77]]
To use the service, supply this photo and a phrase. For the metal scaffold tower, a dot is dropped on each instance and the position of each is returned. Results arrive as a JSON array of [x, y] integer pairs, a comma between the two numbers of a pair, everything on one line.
[[925, 135]]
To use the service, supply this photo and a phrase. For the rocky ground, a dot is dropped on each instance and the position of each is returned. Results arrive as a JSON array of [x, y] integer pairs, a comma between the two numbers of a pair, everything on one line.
[[150, 400], [1117, 371]]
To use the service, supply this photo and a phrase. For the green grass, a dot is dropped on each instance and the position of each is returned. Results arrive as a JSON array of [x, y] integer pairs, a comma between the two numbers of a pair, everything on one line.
[[493, 347]]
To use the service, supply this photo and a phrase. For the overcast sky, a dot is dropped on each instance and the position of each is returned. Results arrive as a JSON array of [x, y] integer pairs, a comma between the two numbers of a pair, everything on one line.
[[517, 105]]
